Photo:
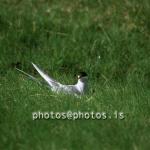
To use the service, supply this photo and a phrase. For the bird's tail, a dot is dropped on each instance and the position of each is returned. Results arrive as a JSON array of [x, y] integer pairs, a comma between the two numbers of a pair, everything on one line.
[[30, 76]]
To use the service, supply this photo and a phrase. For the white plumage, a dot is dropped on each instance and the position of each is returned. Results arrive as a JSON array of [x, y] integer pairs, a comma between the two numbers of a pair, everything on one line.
[[78, 89]]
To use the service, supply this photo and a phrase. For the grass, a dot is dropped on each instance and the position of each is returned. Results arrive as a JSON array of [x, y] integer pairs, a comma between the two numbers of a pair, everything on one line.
[[107, 39]]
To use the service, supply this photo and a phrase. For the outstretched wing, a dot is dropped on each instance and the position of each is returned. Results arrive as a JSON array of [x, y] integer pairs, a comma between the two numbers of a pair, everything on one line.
[[48, 79]]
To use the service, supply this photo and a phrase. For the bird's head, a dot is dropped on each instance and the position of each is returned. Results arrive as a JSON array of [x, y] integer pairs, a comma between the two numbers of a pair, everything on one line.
[[82, 76]]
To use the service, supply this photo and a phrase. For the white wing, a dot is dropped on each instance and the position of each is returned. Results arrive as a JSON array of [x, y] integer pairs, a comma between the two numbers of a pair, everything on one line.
[[49, 80]]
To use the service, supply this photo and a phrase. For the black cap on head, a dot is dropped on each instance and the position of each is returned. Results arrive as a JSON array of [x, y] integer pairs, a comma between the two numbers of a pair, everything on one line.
[[82, 74]]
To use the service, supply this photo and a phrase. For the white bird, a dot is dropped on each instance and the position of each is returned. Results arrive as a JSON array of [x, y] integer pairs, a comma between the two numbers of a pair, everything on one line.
[[77, 89]]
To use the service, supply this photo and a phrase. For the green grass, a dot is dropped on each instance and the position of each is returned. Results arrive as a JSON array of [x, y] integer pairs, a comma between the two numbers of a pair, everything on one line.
[[107, 39]]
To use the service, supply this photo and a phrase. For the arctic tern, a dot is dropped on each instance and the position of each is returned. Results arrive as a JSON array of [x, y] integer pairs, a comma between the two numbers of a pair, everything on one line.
[[77, 89]]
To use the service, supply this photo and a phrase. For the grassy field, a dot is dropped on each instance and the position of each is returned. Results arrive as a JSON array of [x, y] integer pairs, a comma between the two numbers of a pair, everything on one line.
[[110, 40]]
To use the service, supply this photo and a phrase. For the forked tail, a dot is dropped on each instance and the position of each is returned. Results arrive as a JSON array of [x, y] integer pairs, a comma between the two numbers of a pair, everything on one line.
[[30, 76]]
